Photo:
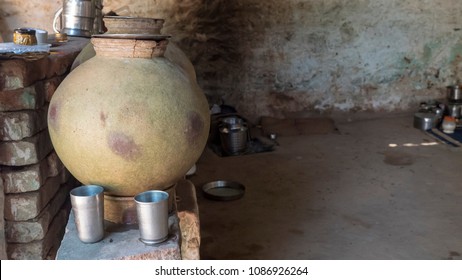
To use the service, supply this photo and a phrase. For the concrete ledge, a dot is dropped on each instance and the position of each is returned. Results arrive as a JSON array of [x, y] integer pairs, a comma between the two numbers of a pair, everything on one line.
[[121, 242]]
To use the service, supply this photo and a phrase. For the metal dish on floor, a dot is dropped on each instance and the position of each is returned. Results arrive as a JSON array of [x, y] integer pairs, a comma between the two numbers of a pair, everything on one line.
[[223, 190]]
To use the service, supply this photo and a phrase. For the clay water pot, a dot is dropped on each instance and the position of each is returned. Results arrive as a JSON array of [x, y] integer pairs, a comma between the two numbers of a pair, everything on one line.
[[128, 119]]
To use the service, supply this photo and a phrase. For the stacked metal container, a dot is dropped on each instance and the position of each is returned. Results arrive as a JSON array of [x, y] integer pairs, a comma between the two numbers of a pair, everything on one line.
[[454, 98]]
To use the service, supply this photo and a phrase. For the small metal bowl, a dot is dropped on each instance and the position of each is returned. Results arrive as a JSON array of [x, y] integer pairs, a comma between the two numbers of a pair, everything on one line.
[[223, 190]]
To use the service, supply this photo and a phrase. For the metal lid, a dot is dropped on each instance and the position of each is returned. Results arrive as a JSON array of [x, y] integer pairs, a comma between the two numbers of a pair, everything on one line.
[[153, 37], [223, 190]]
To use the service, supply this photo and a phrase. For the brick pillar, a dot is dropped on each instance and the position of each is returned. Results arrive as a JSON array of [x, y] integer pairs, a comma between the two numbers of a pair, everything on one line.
[[34, 183]]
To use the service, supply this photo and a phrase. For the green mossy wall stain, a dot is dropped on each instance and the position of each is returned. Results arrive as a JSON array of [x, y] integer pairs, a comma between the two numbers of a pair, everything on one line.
[[455, 54], [243, 50], [454, 61], [429, 50], [422, 70], [29, 97]]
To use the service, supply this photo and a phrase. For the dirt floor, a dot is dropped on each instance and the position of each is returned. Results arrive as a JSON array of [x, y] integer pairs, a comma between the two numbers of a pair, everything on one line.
[[373, 188]]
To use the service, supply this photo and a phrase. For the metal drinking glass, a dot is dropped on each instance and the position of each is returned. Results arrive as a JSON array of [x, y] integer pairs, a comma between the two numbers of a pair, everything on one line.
[[152, 213], [88, 207]]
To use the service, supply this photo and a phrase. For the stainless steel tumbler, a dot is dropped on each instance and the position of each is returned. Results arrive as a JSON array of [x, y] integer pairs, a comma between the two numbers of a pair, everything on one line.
[[152, 213], [88, 207]]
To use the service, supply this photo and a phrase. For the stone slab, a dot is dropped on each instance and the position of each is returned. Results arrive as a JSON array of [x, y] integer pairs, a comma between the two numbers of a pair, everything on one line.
[[22, 124], [30, 178], [188, 213], [26, 206], [26, 151], [121, 242], [36, 229]]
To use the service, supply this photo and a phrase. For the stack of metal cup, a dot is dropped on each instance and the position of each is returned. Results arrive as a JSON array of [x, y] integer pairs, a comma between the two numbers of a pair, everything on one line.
[[454, 98]]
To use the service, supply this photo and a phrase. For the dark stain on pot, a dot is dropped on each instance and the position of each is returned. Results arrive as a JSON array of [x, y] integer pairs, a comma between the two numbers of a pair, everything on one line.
[[53, 115], [123, 145], [398, 158], [194, 127], [103, 117]]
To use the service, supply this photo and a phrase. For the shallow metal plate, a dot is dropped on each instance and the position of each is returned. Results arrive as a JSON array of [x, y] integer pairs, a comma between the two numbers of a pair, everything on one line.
[[223, 190]]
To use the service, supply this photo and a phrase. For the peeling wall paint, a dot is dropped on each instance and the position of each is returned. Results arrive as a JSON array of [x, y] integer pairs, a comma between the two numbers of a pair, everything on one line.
[[279, 57]]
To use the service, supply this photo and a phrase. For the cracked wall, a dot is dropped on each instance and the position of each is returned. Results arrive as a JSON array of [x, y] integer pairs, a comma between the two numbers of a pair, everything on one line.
[[281, 57]]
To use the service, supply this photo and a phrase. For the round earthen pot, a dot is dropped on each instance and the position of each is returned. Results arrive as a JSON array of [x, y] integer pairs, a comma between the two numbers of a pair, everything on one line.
[[128, 119]]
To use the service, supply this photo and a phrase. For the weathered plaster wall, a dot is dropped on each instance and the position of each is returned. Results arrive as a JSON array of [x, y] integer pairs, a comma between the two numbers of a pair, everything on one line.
[[277, 57]]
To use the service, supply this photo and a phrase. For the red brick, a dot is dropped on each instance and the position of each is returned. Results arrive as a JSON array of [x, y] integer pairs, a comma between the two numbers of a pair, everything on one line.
[[51, 85], [28, 98], [19, 73], [62, 57], [27, 206], [22, 124], [38, 250], [3, 254], [36, 229], [60, 64], [30, 178], [26, 151]]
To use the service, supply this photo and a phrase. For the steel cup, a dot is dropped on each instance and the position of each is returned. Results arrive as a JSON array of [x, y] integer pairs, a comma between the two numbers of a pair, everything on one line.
[[152, 214], [88, 207]]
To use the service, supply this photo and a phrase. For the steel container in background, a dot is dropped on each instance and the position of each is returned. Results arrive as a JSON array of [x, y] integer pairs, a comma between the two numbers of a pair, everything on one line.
[[425, 120], [233, 138], [454, 93], [454, 110], [76, 18]]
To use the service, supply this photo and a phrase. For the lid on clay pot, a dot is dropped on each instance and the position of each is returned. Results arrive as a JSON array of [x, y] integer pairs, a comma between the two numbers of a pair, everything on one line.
[[132, 25]]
